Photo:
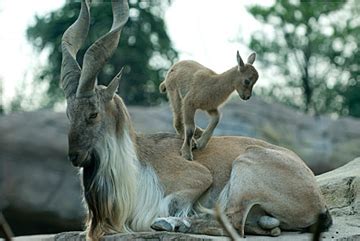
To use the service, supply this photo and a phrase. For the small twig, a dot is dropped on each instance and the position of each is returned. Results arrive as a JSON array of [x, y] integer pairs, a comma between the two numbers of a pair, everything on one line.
[[5, 228], [224, 221]]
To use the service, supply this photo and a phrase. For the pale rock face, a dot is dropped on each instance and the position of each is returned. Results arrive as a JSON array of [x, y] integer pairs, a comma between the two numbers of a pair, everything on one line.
[[323, 143], [341, 189]]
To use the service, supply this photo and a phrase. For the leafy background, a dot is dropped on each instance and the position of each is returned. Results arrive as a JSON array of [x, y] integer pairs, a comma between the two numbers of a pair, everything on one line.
[[145, 48], [309, 50]]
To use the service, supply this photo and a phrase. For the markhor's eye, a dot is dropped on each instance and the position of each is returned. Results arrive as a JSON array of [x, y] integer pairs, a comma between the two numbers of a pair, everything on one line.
[[93, 115], [247, 82]]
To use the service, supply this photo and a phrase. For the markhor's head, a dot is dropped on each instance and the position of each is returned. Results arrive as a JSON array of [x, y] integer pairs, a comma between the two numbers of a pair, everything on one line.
[[90, 108]]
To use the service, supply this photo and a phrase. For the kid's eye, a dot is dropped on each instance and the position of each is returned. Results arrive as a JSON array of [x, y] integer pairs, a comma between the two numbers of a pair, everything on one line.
[[93, 115], [247, 82]]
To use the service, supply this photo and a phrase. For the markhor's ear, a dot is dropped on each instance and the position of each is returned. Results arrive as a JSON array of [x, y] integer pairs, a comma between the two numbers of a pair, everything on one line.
[[113, 85], [239, 60], [251, 58]]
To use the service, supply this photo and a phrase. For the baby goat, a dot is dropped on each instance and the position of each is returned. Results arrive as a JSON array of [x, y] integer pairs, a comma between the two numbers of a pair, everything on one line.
[[191, 86]]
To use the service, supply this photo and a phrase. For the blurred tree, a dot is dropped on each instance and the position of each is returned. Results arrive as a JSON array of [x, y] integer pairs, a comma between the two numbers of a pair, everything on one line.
[[312, 49], [145, 48], [350, 91], [27, 96]]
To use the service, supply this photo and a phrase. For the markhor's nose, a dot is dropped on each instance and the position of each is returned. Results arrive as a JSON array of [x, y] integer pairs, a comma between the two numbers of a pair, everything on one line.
[[73, 158]]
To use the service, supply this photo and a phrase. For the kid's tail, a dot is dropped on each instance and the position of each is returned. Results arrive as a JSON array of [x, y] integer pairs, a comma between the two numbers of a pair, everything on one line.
[[162, 87]]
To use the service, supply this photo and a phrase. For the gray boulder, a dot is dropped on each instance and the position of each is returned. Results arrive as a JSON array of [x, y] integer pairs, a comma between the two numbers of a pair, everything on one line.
[[39, 189], [324, 143], [341, 189]]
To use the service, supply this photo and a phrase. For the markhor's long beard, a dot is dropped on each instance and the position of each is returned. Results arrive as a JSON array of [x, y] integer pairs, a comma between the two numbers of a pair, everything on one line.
[[121, 194], [90, 170], [92, 197], [110, 186]]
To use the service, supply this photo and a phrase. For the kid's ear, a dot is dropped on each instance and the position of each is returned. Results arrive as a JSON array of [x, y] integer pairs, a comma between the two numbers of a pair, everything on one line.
[[239, 60], [251, 58], [113, 85]]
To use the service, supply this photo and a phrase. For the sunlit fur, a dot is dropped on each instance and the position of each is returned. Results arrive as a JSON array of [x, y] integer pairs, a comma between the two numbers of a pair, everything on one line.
[[150, 203], [130, 179], [191, 86], [128, 184]]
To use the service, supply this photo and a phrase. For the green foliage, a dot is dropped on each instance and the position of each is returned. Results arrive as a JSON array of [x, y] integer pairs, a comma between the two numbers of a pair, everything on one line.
[[311, 48], [145, 48]]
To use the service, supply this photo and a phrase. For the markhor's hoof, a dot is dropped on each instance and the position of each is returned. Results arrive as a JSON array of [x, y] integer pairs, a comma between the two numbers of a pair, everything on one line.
[[267, 222], [275, 232], [162, 225], [183, 227]]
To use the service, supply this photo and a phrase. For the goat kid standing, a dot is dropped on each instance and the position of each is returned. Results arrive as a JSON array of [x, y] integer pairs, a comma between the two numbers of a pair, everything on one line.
[[191, 86]]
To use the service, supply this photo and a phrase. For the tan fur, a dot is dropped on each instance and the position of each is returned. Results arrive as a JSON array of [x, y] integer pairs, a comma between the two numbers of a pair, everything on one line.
[[257, 172], [129, 180], [190, 86], [246, 171]]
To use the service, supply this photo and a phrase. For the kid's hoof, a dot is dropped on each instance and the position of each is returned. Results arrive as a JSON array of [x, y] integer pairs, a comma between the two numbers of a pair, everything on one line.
[[194, 144], [162, 225], [188, 156], [201, 144], [198, 132], [275, 232]]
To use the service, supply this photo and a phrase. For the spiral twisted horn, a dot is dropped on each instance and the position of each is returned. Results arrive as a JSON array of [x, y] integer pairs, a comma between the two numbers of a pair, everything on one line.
[[72, 40], [100, 51]]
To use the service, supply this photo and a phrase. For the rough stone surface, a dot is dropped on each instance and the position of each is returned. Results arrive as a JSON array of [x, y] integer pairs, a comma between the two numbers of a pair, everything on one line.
[[341, 189], [322, 142], [344, 228], [39, 189]]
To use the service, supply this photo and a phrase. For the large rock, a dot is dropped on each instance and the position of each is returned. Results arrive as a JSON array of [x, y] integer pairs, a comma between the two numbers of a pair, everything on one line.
[[341, 189], [344, 229], [39, 189]]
